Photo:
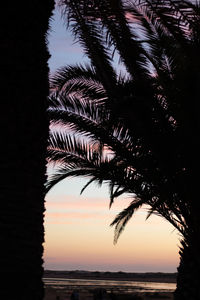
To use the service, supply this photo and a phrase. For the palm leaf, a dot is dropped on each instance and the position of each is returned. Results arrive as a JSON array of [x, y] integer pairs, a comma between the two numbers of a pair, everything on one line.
[[90, 38], [123, 217], [87, 184], [64, 172], [114, 193]]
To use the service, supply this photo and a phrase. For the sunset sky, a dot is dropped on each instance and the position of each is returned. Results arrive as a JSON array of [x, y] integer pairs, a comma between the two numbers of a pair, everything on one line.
[[77, 231]]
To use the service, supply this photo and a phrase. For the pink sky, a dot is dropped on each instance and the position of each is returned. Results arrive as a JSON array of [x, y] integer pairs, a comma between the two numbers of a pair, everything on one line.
[[78, 235], [77, 231]]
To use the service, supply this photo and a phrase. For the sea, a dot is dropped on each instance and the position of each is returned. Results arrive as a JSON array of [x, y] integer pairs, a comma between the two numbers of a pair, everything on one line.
[[110, 285]]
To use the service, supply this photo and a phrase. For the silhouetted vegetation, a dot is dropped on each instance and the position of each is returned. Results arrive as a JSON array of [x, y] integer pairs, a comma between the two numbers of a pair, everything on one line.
[[144, 277], [136, 131]]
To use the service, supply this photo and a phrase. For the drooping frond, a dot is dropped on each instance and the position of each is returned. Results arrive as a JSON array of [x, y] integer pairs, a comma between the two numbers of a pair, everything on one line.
[[79, 80], [65, 172], [90, 120], [87, 184], [75, 157], [63, 106], [172, 17], [115, 191], [119, 34], [64, 75], [123, 217], [64, 148], [90, 37]]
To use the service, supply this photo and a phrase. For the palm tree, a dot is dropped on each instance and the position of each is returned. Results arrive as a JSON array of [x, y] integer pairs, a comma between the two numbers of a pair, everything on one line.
[[141, 131], [24, 134]]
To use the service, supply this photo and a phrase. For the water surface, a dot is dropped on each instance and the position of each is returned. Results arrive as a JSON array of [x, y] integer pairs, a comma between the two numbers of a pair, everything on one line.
[[122, 286]]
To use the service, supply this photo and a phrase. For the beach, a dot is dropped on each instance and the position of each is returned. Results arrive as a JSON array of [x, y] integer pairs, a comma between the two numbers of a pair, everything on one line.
[[60, 285]]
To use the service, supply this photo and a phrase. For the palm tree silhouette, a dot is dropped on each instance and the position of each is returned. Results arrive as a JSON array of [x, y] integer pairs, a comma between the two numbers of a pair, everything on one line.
[[140, 129], [24, 134]]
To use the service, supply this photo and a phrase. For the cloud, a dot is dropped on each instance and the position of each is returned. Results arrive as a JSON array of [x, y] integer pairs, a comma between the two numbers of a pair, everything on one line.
[[67, 202], [68, 209], [73, 216], [82, 201], [76, 215]]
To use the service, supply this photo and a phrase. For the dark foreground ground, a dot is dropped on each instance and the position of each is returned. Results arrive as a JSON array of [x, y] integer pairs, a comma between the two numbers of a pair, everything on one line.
[[62, 294]]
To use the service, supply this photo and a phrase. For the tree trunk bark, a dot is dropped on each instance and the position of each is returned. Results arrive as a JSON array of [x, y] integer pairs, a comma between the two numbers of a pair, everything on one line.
[[24, 132], [189, 269]]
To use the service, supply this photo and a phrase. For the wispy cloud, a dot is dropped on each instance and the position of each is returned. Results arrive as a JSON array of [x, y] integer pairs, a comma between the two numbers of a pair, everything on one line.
[[69, 209]]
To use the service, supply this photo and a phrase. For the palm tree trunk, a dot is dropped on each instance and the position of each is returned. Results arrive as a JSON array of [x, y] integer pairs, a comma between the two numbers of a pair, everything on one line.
[[189, 268], [24, 132]]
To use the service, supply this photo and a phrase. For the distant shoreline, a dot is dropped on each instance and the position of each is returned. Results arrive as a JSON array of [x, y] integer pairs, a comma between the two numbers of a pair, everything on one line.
[[122, 276]]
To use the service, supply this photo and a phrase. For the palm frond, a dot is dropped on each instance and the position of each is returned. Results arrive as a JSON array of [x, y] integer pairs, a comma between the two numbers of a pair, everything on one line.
[[90, 37], [87, 184], [81, 81], [123, 217], [113, 16], [66, 148], [65, 74], [90, 120], [64, 172], [115, 192]]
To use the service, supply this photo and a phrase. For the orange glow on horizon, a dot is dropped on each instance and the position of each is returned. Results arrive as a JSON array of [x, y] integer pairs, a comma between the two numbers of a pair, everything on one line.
[[78, 236]]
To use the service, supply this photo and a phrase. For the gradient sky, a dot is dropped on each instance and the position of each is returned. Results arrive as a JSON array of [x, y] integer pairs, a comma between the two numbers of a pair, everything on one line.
[[77, 231]]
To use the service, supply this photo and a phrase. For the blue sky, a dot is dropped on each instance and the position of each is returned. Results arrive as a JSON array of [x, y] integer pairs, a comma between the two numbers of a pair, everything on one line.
[[64, 50]]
